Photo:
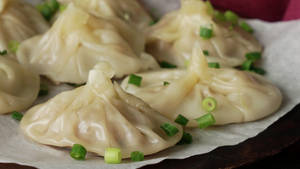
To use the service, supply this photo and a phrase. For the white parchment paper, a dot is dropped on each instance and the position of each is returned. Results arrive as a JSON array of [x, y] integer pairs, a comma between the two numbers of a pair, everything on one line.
[[281, 59]]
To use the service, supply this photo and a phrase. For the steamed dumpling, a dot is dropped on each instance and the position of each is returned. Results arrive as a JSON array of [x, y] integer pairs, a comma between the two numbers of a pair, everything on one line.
[[18, 86], [99, 115], [19, 21], [241, 96], [78, 41], [173, 38], [129, 11]]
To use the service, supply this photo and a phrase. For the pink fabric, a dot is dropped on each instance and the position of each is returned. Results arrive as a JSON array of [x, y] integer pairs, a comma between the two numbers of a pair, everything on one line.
[[269, 10]]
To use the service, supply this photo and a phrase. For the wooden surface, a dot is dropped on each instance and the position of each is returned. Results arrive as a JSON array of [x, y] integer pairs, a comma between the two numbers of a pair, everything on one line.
[[279, 136]]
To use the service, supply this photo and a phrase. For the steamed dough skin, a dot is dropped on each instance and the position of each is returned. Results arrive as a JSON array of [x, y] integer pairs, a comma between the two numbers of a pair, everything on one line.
[[129, 11], [241, 96], [78, 41], [18, 86], [173, 38], [99, 115], [19, 21]]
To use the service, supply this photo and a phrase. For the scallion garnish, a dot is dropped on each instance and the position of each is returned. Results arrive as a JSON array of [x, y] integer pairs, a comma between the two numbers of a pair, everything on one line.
[[17, 115], [181, 120], [206, 33], [258, 70], [166, 83], [135, 80], [153, 22], [186, 138], [45, 10], [209, 104], [253, 56], [43, 90], [169, 129], [113, 156], [53, 5], [214, 65], [206, 121], [205, 52], [246, 27], [137, 156], [247, 65], [78, 152], [167, 65], [3, 52], [231, 17], [13, 46], [219, 16]]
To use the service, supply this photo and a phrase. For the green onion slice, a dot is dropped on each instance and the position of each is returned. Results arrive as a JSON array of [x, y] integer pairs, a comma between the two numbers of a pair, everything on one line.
[[169, 129], [17, 115], [45, 10], [205, 52], [219, 16], [247, 65], [135, 80], [13, 46], [181, 120], [206, 33], [78, 152], [112, 156], [166, 83], [137, 156], [3, 52], [253, 56], [167, 65], [186, 138], [53, 5], [214, 65], [231, 17], [209, 104], [246, 27], [206, 121], [43, 90], [258, 70]]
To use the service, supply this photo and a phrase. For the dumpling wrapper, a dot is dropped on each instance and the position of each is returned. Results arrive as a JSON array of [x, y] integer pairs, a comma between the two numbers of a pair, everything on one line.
[[129, 11], [172, 39], [19, 21], [241, 96], [99, 115], [18, 86], [78, 41]]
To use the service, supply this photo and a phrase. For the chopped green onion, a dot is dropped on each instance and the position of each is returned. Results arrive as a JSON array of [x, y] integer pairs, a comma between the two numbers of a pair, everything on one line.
[[43, 90], [112, 156], [53, 5], [206, 52], [209, 104], [206, 121], [247, 65], [137, 156], [186, 138], [3, 52], [246, 27], [167, 65], [214, 65], [219, 16], [206, 33], [181, 120], [258, 70], [210, 8], [166, 83], [17, 115], [62, 7], [78, 152], [169, 129], [135, 80], [253, 56], [231, 17], [13, 46], [45, 10]]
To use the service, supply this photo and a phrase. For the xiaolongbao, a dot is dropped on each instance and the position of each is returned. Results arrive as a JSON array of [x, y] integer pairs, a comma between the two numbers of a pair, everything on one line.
[[19, 21], [78, 41], [241, 96], [172, 39], [18, 86], [99, 115]]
